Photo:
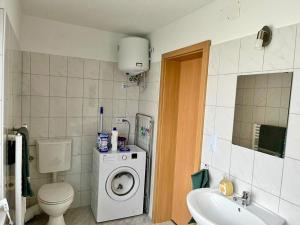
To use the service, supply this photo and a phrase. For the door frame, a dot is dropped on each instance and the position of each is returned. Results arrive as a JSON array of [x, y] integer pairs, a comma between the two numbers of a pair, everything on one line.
[[163, 186]]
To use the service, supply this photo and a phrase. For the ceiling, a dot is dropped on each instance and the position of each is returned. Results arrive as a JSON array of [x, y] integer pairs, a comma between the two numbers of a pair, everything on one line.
[[125, 16]]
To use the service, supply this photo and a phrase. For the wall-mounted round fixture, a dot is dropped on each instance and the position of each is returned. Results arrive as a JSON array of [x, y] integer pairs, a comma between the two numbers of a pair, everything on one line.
[[264, 37]]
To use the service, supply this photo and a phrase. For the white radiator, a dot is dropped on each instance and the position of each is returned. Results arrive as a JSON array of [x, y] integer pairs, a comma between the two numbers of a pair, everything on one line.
[[255, 136]]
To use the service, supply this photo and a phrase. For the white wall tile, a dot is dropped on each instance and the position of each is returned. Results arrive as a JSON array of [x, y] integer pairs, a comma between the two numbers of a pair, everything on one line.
[[224, 122], [119, 108], [290, 183], [293, 138], [107, 70], [209, 120], [85, 182], [154, 73], [132, 108], [26, 84], [39, 85], [75, 67], [119, 91], [214, 60], [251, 59], [229, 57], [242, 163], [57, 127], [85, 198], [58, 107], [39, 106], [133, 92], [58, 65], [88, 144], [90, 125], [290, 212], [215, 176], [90, 107], [206, 150], [267, 173], [265, 199], [76, 145], [90, 89], [221, 156], [75, 166], [226, 91], [40, 63], [106, 89], [211, 90], [280, 53], [91, 69], [86, 165], [74, 107], [75, 87], [25, 106], [58, 86], [74, 126], [295, 100], [239, 186], [39, 127]]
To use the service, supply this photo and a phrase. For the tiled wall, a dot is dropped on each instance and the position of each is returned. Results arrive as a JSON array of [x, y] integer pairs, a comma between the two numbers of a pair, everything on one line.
[[12, 98], [260, 99], [274, 182], [61, 97], [148, 104]]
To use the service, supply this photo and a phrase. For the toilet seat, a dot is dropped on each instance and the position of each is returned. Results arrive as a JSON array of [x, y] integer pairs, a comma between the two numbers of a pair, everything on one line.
[[55, 193]]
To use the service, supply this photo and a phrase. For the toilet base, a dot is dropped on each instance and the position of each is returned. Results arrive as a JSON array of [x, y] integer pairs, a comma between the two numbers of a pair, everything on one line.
[[58, 220]]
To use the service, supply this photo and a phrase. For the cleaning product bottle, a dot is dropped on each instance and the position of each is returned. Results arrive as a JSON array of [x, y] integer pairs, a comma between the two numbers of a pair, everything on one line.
[[114, 139], [226, 187]]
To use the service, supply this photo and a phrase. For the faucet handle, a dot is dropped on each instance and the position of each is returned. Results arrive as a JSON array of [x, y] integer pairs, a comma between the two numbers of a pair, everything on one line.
[[246, 195]]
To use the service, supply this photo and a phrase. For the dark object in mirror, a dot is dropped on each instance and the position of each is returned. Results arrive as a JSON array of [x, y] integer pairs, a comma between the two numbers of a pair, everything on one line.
[[261, 112]]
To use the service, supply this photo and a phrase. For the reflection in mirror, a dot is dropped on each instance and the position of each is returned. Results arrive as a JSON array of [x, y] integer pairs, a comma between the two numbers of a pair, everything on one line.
[[261, 112]]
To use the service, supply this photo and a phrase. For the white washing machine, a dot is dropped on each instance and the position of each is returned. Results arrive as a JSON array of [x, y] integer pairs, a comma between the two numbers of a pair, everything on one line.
[[118, 184]]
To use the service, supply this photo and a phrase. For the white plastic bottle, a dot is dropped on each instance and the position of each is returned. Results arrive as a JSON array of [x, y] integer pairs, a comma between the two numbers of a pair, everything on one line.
[[114, 139]]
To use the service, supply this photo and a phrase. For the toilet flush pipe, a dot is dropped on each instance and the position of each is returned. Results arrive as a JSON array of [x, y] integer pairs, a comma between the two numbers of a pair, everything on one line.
[[32, 212]]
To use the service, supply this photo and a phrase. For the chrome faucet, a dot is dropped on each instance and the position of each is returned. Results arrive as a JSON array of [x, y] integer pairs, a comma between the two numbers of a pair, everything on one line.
[[245, 199]]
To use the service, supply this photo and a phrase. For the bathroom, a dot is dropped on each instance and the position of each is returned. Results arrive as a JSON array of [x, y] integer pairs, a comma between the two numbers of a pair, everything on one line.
[[60, 63]]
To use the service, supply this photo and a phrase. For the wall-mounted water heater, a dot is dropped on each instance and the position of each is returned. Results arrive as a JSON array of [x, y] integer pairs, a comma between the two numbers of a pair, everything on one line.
[[133, 55]]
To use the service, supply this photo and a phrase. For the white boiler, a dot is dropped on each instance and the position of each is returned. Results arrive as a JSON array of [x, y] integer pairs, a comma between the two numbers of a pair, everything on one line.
[[133, 55]]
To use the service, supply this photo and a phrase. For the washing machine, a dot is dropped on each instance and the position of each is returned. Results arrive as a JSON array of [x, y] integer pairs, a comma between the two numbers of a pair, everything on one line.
[[118, 184]]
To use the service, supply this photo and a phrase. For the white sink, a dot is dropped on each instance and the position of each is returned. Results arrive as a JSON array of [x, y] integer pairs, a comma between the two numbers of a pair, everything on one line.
[[209, 207]]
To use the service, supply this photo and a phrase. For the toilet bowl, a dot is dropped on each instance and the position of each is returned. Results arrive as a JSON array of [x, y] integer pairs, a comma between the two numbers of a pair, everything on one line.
[[54, 199]]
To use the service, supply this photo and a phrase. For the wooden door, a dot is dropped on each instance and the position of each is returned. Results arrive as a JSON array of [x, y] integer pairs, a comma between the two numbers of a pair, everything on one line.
[[180, 129], [186, 143]]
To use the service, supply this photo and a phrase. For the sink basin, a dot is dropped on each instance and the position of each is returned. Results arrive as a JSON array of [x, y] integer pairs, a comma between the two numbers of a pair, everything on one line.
[[209, 207]]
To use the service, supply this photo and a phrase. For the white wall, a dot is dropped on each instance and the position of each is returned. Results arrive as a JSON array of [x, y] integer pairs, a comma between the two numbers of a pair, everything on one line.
[[210, 22], [52, 37], [13, 10]]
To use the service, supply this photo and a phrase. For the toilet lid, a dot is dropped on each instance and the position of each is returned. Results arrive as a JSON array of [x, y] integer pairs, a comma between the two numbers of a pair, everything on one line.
[[55, 192]]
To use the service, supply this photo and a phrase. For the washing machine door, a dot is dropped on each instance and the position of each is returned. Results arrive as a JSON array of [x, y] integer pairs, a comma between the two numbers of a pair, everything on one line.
[[122, 183]]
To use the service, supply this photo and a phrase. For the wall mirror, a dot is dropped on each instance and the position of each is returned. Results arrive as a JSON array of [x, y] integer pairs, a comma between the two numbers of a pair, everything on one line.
[[261, 112]]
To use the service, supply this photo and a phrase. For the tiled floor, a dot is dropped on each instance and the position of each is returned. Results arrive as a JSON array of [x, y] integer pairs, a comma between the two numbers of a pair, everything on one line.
[[84, 216]]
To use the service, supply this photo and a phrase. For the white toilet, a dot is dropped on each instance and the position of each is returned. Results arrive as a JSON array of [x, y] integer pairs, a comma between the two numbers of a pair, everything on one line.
[[54, 155]]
